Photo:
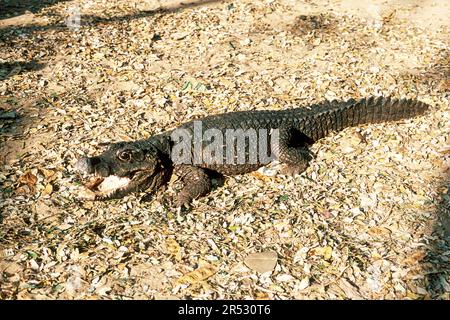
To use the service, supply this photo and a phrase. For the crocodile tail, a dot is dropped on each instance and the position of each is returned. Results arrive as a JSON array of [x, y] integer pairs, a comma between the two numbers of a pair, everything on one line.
[[335, 116]]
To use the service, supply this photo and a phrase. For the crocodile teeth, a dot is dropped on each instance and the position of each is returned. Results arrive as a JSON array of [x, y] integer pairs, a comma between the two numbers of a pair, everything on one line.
[[112, 183], [93, 183]]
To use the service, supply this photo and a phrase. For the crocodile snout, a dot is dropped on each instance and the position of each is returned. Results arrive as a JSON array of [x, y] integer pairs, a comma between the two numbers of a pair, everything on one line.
[[84, 165], [92, 166]]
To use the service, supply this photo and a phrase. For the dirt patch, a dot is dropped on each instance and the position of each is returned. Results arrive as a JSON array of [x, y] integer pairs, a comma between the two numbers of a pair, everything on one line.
[[305, 24], [23, 20]]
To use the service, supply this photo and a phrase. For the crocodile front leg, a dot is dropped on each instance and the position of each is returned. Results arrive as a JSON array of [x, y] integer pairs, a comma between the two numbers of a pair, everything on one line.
[[196, 183], [293, 151]]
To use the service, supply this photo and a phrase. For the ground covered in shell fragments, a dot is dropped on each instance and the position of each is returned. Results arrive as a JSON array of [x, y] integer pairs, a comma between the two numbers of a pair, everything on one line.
[[368, 219]]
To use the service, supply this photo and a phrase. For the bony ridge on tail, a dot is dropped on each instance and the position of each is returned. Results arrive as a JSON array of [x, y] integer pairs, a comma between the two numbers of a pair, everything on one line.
[[228, 144]]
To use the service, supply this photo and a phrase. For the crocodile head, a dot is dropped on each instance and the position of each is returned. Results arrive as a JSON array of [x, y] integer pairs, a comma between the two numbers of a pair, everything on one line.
[[123, 168]]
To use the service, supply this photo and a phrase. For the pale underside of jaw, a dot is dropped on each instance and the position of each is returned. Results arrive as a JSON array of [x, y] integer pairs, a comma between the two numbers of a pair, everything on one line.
[[103, 187]]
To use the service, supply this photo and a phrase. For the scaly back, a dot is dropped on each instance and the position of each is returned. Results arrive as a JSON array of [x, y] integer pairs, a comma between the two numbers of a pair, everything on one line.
[[323, 118]]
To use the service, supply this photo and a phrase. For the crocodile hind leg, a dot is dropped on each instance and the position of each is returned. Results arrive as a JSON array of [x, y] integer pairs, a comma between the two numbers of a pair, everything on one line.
[[196, 183], [293, 151]]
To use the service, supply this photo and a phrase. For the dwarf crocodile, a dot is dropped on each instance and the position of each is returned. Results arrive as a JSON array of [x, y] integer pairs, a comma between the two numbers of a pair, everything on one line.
[[147, 165]]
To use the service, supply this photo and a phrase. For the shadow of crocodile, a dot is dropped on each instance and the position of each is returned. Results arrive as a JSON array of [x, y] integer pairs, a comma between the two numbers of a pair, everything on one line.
[[9, 69], [8, 33], [436, 262], [13, 8]]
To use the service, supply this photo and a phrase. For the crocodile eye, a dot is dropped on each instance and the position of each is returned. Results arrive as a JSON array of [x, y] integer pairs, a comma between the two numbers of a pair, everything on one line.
[[125, 155]]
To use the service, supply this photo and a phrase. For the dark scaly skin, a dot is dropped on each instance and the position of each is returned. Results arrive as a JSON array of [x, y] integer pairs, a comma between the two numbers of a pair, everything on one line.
[[298, 128]]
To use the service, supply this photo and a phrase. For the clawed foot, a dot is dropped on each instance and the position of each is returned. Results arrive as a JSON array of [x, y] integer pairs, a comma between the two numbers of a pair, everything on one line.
[[183, 200], [195, 183]]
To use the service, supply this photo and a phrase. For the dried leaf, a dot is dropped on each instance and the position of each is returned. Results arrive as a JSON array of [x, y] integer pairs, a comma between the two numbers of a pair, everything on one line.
[[262, 261], [325, 252], [197, 275], [415, 258], [303, 284], [379, 231], [48, 190], [261, 295], [351, 292], [29, 180], [174, 248], [260, 176]]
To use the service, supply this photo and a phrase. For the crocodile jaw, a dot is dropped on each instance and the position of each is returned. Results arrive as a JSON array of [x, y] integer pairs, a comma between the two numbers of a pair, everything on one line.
[[104, 187], [111, 183]]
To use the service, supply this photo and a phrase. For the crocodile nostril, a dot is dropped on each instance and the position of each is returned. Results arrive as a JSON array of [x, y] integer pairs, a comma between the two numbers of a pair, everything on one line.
[[83, 165], [87, 164], [94, 161]]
